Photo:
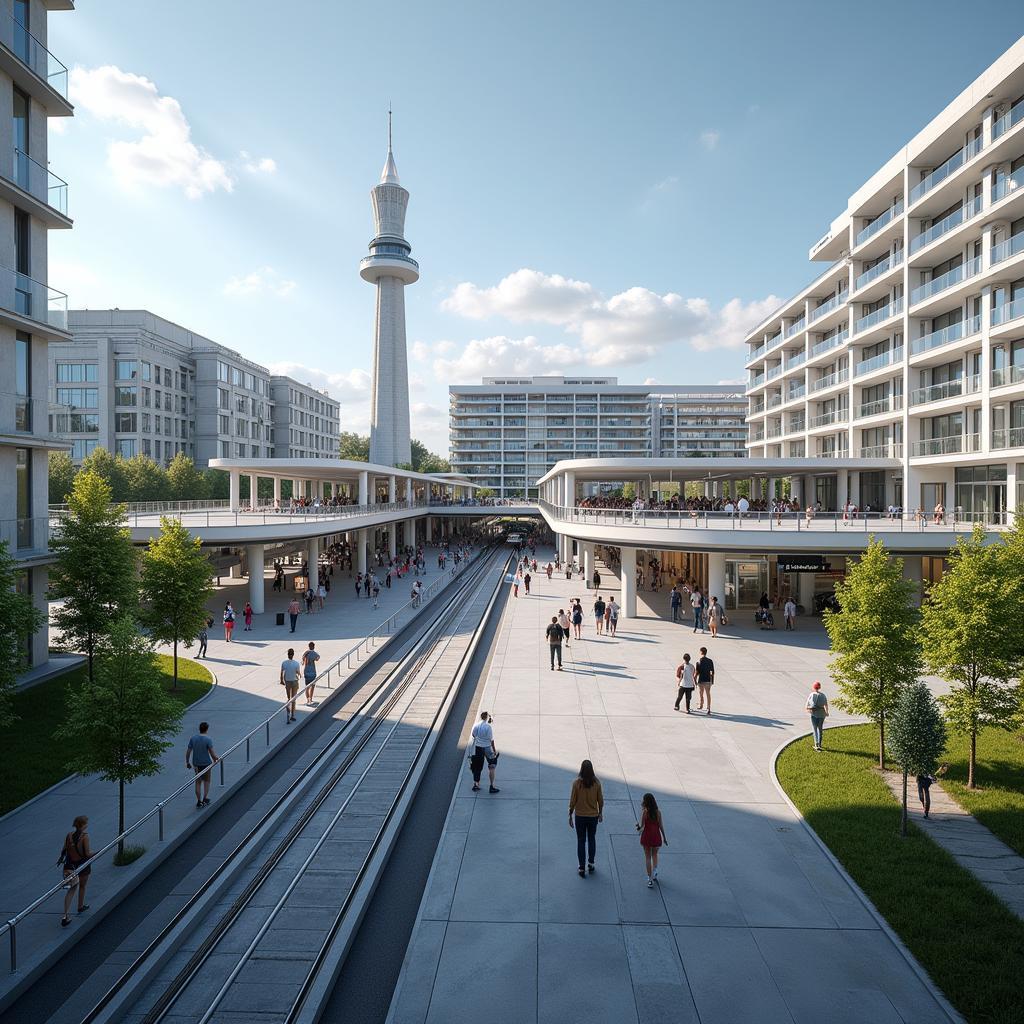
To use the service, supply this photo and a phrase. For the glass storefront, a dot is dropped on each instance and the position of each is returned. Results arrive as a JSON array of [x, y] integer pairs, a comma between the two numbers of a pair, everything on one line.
[[981, 490], [872, 490], [745, 581]]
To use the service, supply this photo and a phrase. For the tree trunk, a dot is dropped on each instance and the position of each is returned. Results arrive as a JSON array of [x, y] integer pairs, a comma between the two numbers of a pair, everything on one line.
[[120, 816], [881, 741], [903, 813], [973, 757]]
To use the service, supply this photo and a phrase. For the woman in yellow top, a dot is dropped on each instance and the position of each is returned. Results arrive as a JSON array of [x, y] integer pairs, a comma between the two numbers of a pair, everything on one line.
[[586, 800]]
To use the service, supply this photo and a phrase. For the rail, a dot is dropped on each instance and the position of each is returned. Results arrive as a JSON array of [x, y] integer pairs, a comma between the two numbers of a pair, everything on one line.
[[157, 811]]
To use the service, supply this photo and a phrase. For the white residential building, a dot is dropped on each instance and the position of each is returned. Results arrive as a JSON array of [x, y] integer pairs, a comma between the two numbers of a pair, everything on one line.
[[34, 85], [508, 432], [910, 344], [306, 422]]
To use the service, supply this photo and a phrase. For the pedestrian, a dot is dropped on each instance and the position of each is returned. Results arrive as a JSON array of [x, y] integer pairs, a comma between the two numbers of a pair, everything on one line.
[[321, 595], [247, 615], [586, 801], [686, 676], [73, 853], [554, 636], [716, 616], [359, 584], [563, 621], [652, 835], [577, 619], [675, 600], [229, 621], [204, 637], [817, 707], [309, 660], [705, 678], [789, 613], [310, 596], [290, 681], [697, 604], [568, 570], [599, 614], [612, 616], [482, 742], [200, 756], [293, 612], [515, 585], [548, 570], [376, 593], [597, 580], [526, 583], [924, 793]]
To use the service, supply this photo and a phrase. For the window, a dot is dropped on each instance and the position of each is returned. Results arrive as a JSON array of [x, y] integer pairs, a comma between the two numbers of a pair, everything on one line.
[[147, 371], [22, 264], [147, 423], [156, 399], [78, 398], [167, 401], [76, 422], [223, 424], [223, 400], [81, 448], [167, 426], [125, 369], [20, 110], [125, 422], [236, 376], [146, 398], [125, 447], [224, 449], [167, 377], [147, 447], [76, 373], [223, 372], [157, 445], [126, 395], [23, 506], [250, 382], [22, 381]]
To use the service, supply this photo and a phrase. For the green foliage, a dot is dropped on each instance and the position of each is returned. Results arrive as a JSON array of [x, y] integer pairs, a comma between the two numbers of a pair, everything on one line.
[[183, 481], [118, 726], [176, 584], [217, 484], [94, 571], [128, 855], [355, 447], [629, 491], [917, 736], [110, 469], [424, 461], [484, 492], [144, 480], [19, 619], [62, 477], [874, 638], [970, 638]]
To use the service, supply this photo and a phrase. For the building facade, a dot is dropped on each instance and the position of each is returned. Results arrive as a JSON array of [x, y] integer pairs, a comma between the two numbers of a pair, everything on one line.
[[134, 383], [909, 346], [33, 200], [507, 432]]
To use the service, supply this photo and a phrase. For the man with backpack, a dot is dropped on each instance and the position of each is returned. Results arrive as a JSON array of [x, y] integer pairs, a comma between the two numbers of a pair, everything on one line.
[[555, 634]]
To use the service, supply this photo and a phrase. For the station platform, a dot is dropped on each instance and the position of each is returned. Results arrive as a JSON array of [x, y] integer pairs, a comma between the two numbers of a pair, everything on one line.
[[750, 921]]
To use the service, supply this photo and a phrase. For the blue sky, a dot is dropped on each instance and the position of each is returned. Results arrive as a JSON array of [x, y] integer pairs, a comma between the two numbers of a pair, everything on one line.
[[594, 186]]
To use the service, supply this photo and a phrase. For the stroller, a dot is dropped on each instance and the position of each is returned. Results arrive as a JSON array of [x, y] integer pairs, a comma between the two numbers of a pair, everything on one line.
[[764, 619]]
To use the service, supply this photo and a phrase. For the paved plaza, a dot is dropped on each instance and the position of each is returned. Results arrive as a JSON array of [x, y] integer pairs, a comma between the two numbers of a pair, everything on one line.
[[750, 921]]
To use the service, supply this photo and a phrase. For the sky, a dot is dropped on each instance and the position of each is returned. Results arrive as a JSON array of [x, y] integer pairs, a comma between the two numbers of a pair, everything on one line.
[[595, 186]]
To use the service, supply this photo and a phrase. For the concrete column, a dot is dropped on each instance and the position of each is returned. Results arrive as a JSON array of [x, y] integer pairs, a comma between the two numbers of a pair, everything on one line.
[[569, 485], [392, 488], [842, 492], [234, 489], [410, 492], [39, 582], [587, 553], [277, 489], [253, 492], [716, 577], [393, 540], [296, 488], [361, 552], [771, 494], [1011, 491], [254, 558], [805, 591], [912, 572], [855, 489], [313, 557], [364, 488], [628, 570]]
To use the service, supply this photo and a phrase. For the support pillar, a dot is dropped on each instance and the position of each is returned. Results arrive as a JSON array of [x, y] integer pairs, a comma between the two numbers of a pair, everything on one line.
[[364, 488], [628, 570], [234, 489], [313, 558], [361, 552], [570, 488], [912, 572], [855, 489], [771, 493], [253, 491], [410, 492], [805, 591], [392, 489], [277, 490], [587, 554], [254, 559], [392, 540], [716, 577], [842, 490]]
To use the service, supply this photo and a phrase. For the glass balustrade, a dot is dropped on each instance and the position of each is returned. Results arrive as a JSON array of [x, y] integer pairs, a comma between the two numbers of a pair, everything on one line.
[[869, 275], [960, 216], [939, 284], [879, 222], [954, 332], [945, 169]]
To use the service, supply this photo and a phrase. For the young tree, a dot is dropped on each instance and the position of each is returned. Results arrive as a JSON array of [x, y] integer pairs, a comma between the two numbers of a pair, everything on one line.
[[969, 635], [425, 461], [117, 726], [184, 481], [144, 479], [94, 571], [917, 736], [19, 619], [355, 447], [217, 485], [62, 477], [876, 652], [176, 584], [111, 469]]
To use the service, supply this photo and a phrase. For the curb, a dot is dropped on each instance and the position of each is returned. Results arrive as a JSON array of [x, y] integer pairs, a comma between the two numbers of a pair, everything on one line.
[[922, 975]]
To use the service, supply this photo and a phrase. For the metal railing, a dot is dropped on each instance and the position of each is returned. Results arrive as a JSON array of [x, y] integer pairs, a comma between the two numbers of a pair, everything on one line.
[[796, 327], [939, 284], [33, 299], [1003, 314], [1007, 185], [945, 169], [954, 332], [946, 389], [886, 358], [1007, 248], [873, 319], [1004, 375], [794, 393], [36, 57], [971, 208], [1012, 117], [825, 418], [38, 181], [830, 380], [828, 305], [892, 404], [952, 444], [879, 222], [1008, 437], [892, 260], [827, 344], [245, 744], [893, 450]]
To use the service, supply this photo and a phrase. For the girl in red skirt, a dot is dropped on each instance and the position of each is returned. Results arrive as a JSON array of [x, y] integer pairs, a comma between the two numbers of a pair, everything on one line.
[[652, 835]]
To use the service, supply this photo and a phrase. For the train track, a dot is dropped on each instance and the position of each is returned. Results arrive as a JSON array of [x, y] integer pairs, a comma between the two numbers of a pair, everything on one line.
[[264, 935]]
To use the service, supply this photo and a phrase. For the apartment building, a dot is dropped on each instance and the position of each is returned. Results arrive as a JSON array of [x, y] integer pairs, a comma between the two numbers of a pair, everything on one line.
[[33, 200], [135, 383], [908, 348], [508, 432]]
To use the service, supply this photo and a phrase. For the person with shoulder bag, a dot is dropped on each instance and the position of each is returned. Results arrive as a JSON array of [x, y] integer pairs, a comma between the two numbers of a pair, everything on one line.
[[74, 853], [817, 707]]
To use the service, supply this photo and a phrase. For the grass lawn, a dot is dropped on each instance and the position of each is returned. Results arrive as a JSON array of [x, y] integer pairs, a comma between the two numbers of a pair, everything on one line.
[[998, 802], [969, 942], [34, 759]]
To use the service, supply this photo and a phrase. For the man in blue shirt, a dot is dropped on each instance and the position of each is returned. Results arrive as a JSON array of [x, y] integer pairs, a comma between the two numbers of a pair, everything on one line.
[[200, 753]]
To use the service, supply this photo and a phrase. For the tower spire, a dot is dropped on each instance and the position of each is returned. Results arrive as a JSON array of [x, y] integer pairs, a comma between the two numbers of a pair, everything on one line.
[[389, 176]]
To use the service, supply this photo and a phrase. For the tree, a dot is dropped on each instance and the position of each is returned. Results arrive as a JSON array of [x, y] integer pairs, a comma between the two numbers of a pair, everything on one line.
[[874, 640], [144, 479], [969, 638], [19, 619], [62, 477], [917, 736], [184, 481], [94, 571], [176, 584], [217, 484], [355, 447], [117, 726], [100, 461], [425, 461]]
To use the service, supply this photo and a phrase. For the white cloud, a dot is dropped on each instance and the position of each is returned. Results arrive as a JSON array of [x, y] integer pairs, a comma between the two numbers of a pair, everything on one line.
[[651, 380], [164, 155], [629, 327], [494, 356], [258, 165], [710, 139], [262, 281]]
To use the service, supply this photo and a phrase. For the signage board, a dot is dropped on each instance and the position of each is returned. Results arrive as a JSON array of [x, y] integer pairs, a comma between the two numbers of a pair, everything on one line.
[[803, 563]]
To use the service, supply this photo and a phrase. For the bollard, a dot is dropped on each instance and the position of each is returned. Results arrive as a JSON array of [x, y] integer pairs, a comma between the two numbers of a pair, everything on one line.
[[246, 749], [268, 731], [221, 763], [14, 946], [160, 820]]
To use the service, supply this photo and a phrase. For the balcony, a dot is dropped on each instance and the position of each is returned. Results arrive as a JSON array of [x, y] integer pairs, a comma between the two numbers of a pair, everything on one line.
[[757, 434], [892, 404], [794, 393], [1005, 375], [796, 425], [944, 170], [939, 284], [954, 332], [33, 67], [757, 352], [827, 344], [28, 302], [774, 372], [879, 316], [1012, 117], [773, 401], [1011, 437], [31, 186], [879, 222], [953, 444], [797, 327], [825, 418], [772, 342], [893, 355], [1007, 249], [970, 209], [833, 378], [892, 260], [1010, 184], [893, 450], [826, 307], [773, 432], [1008, 311], [947, 389], [798, 360], [756, 381]]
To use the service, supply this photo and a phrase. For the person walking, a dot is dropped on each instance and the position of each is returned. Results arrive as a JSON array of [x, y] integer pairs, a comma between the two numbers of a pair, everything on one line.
[[817, 707], [716, 616], [697, 604], [200, 755], [924, 792], [705, 678], [597, 580], [204, 637], [515, 585], [309, 660], [789, 613], [586, 801], [229, 621], [290, 669], [376, 592], [554, 636], [293, 612], [482, 742], [675, 600], [599, 614], [563, 621], [321, 595], [686, 675], [310, 596], [577, 619], [652, 835], [75, 852], [612, 616], [526, 583], [247, 616]]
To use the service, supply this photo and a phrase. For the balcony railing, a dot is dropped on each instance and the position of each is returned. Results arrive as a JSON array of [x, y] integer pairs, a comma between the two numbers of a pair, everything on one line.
[[796, 328], [796, 360], [879, 316], [1005, 186], [796, 424], [757, 434], [772, 342], [892, 450], [773, 401], [939, 284], [825, 418], [944, 170], [756, 381], [33, 299], [1008, 120], [38, 181], [954, 332], [938, 392], [953, 444], [970, 209], [879, 222], [1008, 437], [892, 355], [892, 404], [1008, 311], [833, 378], [1004, 375], [757, 352], [894, 259], [31, 52], [1008, 248], [826, 344], [794, 393], [773, 432], [826, 307]]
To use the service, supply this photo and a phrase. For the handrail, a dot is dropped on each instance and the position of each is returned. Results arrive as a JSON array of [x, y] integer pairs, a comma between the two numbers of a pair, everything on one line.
[[10, 926]]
